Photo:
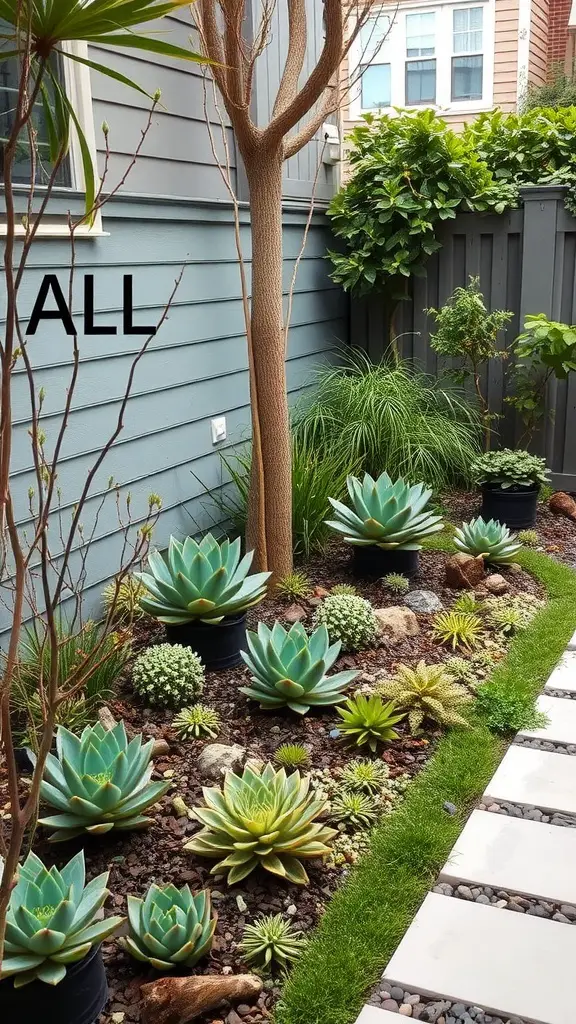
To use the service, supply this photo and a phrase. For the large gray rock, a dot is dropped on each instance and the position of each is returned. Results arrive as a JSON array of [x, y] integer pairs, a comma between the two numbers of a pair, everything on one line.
[[217, 758], [397, 622], [423, 601]]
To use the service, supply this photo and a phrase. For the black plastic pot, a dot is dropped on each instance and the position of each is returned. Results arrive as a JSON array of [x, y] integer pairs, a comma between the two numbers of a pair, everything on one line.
[[515, 509], [375, 561], [78, 999], [218, 645]]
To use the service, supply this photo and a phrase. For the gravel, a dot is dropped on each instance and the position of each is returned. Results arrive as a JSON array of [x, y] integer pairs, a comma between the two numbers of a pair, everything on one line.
[[434, 1011], [557, 748], [563, 913], [531, 813], [566, 694]]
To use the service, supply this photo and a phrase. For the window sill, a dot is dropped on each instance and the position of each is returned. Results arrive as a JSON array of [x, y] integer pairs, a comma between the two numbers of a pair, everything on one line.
[[56, 231]]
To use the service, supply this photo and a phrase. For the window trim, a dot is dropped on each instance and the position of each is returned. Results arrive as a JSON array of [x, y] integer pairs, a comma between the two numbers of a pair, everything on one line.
[[444, 104]]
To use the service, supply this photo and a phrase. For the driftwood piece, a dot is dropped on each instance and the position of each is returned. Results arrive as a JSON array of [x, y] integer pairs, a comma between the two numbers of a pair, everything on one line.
[[179, 1000]]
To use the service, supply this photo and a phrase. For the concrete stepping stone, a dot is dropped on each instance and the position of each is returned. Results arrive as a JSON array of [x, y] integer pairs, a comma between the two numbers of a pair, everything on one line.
[[564, 675], [511, 964], [561, 727], [515, 854], [572, 644], [375, 1015], [538, 778]]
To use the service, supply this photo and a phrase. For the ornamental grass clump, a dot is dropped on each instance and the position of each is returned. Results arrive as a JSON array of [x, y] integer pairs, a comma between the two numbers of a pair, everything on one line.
[[170, 927], [396, 582], [202, 581], [457, 629], [294, 586], [98, 782], [426, 692], [289, 668], [261, 819], [168, 675], [292, 756], [385, 513], [493, 541], [349, 620], [272, 940], [367, 721], [52, 920], [197, 721], [121, 599]]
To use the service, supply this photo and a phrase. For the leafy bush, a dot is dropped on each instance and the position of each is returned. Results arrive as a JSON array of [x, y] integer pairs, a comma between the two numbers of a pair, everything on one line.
[[348, 619], [426, 692], [291, 756], [410, 172], [272, 940], [506, 710], [459, 629], [168, 675], [295, 585], [396, 582], [375, 415], [197, 721], [559, 90], [170, 927], [510, 470], [545, 348], [385, 513], [367, 721]]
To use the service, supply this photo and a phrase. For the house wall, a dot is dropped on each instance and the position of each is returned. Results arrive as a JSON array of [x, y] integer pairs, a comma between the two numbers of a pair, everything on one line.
[[558, 31], [506, 54], [539, 29]]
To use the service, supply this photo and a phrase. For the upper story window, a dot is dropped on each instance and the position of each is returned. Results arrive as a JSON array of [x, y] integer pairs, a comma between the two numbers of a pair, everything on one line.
[[437, 55]]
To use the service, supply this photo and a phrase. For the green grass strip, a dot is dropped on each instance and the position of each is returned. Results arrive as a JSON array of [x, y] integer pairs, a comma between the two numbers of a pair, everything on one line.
[[368, 916]]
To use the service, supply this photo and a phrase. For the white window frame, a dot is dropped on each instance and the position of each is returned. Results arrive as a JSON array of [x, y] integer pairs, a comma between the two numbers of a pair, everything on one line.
[[444, 51], [79, 92]]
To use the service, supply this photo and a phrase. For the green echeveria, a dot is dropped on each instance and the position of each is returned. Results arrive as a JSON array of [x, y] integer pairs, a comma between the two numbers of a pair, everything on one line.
[[490, 539], [289, 668], [200, 581], [51, 920], [385, 513], [170, 927], [99, 781]]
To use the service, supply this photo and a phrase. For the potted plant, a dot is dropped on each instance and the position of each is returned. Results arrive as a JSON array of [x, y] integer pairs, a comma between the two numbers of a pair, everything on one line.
[[52, 969], [510, 482], [386, 524], [201, 591]]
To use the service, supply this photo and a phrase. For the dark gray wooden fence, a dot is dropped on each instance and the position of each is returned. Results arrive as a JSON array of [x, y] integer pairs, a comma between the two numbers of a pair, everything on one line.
[[526, 262]]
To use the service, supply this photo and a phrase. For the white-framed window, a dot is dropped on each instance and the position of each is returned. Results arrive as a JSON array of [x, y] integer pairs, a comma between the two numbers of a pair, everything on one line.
[[417, 54]]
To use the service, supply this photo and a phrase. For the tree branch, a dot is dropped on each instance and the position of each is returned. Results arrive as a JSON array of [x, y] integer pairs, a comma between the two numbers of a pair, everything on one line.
[[297, 37]]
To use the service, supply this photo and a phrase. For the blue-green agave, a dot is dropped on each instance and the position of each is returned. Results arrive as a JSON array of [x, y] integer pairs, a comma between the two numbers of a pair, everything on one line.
[[490, 539], [204, 581], [99, 781], [389, 514], [170, 927], [289, 668], [51, 920]]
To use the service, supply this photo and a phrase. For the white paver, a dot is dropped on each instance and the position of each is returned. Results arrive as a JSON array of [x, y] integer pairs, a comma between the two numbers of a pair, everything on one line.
[[561, 727], [536, 777], [564, 675], [572, 644], [476, 954], [375, 1015], [514, 854]]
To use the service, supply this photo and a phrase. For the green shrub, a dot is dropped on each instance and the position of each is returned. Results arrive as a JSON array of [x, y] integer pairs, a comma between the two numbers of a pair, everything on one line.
[[559, 90], [348, 619], [510, 469], [506, 710], [168, 675], [375, 415]]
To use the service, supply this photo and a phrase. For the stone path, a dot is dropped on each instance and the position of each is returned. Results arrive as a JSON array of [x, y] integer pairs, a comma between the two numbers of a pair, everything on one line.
[[464, 959]]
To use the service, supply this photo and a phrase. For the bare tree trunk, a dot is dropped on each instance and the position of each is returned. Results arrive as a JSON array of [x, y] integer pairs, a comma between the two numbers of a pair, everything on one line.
[[264, 173]]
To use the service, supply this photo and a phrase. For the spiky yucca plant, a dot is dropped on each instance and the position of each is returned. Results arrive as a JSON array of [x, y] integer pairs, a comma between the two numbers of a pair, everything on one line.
[[197, 721], [170, 927], [364, 775], [396, 582], [294, 586], [367, 721], [459, 629], [99, 782], [426, 692], [272, 940], [52, 920], [289, 668], [388, 514], [493, 541], [354, 808], [261, 819], [292, 756]]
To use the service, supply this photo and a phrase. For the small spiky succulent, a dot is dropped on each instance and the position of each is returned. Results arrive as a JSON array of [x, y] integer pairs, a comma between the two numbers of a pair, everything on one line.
[[292, 756], [170, 927], [458, 629], [349, 619], [396, 582], [121, 597], [493, 541], [355, 809], [364, 775], [294, 585], [168, 675], [368, 721], [272, 940], [528, 537], [197, 721], [465, 603], [426, 692], [344, 588], [516, 610], [505, 619]]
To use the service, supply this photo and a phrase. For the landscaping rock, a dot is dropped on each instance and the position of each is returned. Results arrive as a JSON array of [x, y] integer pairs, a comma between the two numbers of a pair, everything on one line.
[[423, 601], [160, 748], [295, 613], [496, 584], [464, 572], [563, 505], [217, 758], [397, 622]]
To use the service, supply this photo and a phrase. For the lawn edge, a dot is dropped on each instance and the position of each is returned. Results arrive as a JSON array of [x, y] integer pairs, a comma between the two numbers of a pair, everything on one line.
[[367, 917]]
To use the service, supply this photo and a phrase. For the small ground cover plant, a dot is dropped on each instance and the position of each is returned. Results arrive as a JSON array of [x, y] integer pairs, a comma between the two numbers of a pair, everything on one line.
[[364, 775], [168, 675], [349, 619], [294, 586], [396, 582], [292, 756], [271, 941], [354, 809]]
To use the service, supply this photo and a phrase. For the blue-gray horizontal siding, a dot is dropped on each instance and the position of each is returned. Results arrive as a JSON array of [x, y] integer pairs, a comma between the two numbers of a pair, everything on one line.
[[195, 368]]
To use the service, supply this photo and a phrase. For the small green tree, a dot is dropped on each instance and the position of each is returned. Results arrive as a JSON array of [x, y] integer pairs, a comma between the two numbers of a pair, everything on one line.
[[468, 333], [545, 349]]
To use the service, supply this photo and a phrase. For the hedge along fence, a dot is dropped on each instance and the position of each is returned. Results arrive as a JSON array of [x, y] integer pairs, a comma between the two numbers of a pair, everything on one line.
[[526, 262], [368, 916]]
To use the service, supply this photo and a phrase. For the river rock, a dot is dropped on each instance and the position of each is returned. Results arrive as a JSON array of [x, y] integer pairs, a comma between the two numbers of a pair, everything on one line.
[[423, 601], [464, 572], [397, 622], [496, 584], [217, 758]]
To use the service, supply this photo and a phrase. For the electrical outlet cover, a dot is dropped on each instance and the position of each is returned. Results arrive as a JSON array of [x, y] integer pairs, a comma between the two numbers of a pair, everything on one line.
[[218, 428]]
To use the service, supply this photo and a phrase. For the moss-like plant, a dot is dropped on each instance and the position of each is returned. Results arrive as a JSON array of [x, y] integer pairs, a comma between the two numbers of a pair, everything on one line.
[[292, 756], [426, 692], [168, 675], [457, 629], [367, 721], [349, 619], [506, 710]]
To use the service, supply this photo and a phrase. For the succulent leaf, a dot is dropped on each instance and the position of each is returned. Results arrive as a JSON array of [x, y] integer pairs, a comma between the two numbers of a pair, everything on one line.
[[385, 513], [490, 539]]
